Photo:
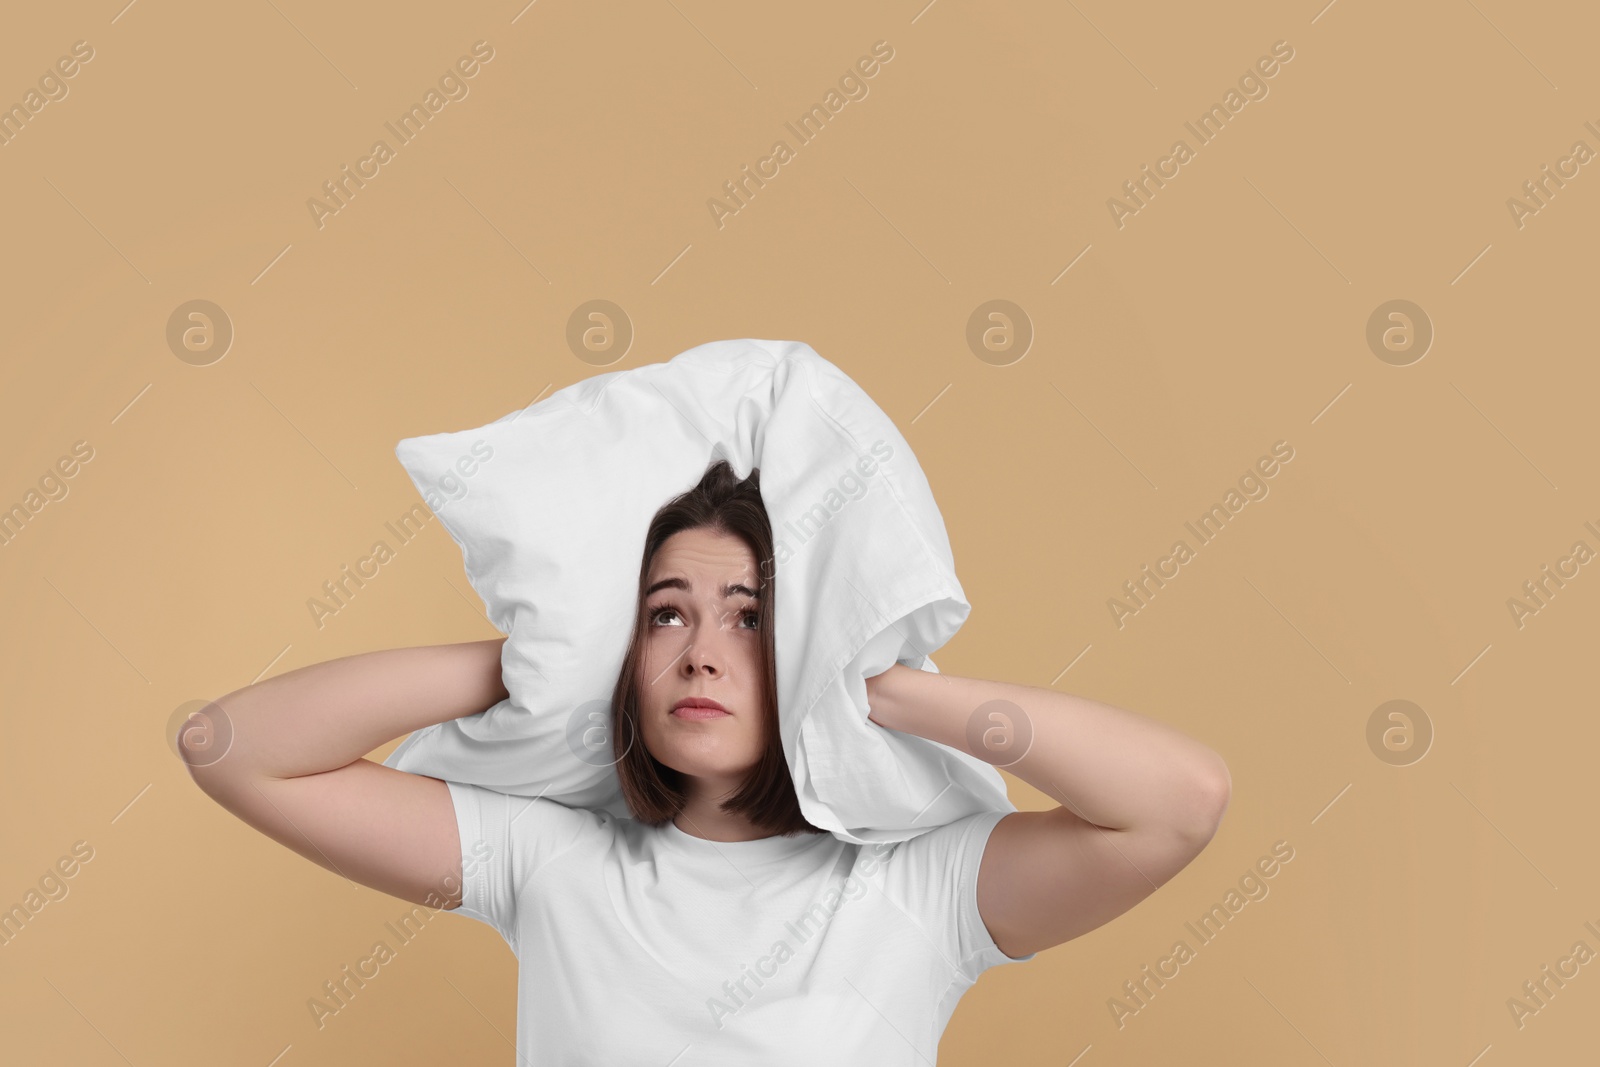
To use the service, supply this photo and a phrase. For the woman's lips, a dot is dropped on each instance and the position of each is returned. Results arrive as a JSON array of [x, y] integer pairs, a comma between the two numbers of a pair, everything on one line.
[[696, 713]]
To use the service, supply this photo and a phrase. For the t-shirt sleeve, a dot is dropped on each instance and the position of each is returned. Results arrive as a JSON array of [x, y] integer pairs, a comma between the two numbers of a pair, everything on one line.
[[934, 878], [505, 839]]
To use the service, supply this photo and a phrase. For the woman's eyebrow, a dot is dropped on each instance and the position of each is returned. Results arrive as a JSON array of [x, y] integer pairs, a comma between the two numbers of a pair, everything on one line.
[[729, 590]]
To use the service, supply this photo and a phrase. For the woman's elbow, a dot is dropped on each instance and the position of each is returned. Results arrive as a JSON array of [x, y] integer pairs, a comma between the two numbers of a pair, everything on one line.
[[202, 741], [1206, 801]]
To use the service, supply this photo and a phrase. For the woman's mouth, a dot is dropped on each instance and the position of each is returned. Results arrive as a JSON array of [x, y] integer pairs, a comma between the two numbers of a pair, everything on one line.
[[699, 709]]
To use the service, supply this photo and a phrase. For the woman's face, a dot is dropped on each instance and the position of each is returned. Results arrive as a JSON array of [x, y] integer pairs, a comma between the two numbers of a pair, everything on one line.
[[702, 640]]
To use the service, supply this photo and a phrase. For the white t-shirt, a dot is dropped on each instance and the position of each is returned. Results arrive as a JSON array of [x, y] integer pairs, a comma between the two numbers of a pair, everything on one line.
[[640, 946]]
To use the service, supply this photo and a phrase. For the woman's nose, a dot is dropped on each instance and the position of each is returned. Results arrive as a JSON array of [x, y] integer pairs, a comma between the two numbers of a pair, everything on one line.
[[701, 658], [705, 650]]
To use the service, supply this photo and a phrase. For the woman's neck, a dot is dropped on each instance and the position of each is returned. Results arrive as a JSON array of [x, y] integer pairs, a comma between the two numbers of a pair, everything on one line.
[[702, 816]]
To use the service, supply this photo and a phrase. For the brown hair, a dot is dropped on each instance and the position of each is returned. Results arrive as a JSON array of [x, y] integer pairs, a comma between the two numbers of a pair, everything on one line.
[[654, 792]]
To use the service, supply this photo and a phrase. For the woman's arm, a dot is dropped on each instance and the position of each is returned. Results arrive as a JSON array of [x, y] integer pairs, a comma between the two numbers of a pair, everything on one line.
[[286, 756], [1139, 799]]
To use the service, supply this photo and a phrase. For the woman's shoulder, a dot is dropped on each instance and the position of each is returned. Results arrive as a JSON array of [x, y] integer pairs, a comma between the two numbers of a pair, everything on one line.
[[534, 824]]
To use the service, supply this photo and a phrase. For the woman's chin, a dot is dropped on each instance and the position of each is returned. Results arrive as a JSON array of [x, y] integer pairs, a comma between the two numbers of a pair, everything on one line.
[[700, 761]]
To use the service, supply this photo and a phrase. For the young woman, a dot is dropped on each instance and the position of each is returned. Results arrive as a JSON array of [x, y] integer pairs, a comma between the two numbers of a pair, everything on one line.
[[716, 926]]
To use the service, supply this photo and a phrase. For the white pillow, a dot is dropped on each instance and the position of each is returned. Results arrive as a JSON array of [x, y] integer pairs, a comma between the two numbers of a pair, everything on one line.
[[550, 505]]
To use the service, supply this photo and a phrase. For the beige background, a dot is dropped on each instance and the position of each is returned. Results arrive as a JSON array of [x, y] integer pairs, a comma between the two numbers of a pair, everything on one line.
[[1229, 313]]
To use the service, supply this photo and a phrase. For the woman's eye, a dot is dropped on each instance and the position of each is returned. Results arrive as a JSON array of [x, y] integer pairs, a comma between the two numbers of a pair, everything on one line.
[[655, 615]]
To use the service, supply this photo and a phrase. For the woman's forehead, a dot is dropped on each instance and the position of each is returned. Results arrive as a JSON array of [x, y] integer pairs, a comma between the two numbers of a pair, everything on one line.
[[704, 554]]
